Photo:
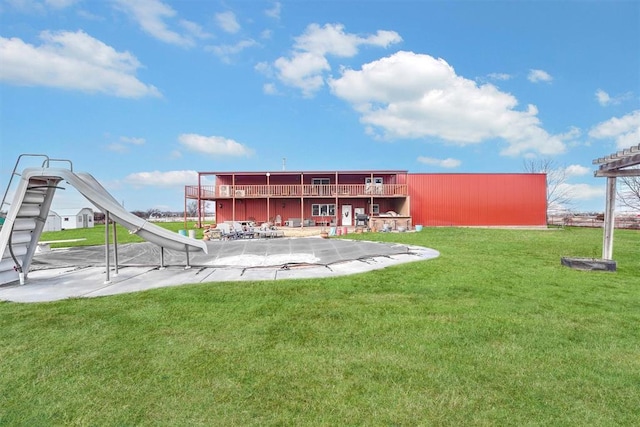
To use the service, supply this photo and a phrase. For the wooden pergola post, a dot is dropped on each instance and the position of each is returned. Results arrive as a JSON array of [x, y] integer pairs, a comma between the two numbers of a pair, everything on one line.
[[611, 167], [609, 219]]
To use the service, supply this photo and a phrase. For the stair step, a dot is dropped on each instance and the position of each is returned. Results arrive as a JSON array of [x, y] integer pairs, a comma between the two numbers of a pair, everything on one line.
[[21, 224], [18, 250], [8, 263], [28, 211], [18, 237], [34, 197]]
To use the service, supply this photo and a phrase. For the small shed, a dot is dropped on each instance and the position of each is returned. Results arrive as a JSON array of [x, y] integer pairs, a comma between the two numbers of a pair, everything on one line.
[[53, 223], [76, 218]]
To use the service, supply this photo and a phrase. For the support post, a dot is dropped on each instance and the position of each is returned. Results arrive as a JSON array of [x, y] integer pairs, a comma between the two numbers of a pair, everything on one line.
[[106, 247], [609, 219], [115, 249]]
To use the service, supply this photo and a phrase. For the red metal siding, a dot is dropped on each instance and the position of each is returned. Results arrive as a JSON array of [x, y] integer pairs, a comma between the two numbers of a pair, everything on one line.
[[478, 199]]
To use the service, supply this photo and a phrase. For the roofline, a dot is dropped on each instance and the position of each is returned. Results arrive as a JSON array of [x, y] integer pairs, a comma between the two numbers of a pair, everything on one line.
[[307, 172]]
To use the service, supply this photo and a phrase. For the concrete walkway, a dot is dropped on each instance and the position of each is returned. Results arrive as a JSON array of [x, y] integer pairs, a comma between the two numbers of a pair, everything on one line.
[[81, 272]]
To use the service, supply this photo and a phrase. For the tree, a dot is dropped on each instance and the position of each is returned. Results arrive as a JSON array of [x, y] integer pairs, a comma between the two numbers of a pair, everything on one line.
[[154, 213], [629, 192], [192, 208], [559, 194]]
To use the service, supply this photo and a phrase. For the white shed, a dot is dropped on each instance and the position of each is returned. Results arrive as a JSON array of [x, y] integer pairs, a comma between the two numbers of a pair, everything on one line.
[[76, 218], [53, 223]]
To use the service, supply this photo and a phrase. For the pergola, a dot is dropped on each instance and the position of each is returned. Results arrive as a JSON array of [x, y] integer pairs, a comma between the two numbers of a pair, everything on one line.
[[613, 166]]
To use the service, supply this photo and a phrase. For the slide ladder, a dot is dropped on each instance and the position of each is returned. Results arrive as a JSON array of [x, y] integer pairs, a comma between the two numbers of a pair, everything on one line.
[[23, 220]]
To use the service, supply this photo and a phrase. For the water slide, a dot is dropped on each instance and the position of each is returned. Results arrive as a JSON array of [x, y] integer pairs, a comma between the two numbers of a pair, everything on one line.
[[25, 219]]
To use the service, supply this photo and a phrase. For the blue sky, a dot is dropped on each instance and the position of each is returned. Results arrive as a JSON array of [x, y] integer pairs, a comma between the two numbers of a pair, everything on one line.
[[143, 94]]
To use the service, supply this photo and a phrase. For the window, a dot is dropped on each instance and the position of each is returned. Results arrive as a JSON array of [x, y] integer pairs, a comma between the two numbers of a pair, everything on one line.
[[375, 209], [321, 186], [323, 210]]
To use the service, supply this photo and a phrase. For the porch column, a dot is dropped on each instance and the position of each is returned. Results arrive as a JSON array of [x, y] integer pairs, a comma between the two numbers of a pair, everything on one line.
[[268, 198]]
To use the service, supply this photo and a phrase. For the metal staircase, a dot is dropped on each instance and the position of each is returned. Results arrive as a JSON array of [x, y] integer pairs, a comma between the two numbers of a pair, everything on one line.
[[23, 219]]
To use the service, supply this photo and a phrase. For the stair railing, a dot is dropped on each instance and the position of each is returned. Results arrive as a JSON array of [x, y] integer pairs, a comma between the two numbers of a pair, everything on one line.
[[14, 174]]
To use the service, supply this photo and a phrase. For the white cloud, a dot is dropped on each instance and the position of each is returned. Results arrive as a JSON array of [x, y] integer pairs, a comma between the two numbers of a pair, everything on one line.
[[408, 95], [26, 6], [275, 11], [117, 147], [536, 76], [269, 89], [195, 29], [162, 179], [31, 6], [625, 130], [582, 191], [132, 140], [303, 71], [264, 68], [306, 66], [443, 163], [151, 16], [214, 145], [332, 40], [605, 99], [225, 52], [228, 22], [124, 144], [499, 76], [72, 61], [577, 170]]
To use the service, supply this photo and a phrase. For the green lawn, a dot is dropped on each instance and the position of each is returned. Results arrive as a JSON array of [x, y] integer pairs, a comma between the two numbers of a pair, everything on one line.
[[493, 332], [95, 235]]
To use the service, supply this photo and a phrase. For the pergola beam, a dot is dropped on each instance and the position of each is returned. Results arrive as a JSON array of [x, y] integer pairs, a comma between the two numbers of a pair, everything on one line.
[[621, 162], [612, 167], [627, 172], [620, 154]]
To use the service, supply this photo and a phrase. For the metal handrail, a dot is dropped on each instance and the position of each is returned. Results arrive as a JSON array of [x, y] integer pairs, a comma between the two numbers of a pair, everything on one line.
[[45, 164], [13, 173]]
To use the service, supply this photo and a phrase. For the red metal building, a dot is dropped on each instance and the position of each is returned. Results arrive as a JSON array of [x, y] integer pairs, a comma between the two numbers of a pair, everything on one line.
[[478, 199], [389, 198]]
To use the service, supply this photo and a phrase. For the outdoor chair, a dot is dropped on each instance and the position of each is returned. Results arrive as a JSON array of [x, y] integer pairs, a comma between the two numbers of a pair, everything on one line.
[[242, 231], [226, 232]]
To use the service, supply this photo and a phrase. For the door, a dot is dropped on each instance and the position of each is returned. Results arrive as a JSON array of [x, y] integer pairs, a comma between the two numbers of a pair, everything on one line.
[[347, 215], [373, 186]]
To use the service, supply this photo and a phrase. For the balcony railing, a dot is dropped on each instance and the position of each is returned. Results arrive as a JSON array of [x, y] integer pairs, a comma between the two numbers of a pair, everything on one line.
[[296, 190]]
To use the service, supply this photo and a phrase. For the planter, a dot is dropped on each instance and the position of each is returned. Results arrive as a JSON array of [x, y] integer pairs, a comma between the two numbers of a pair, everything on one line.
[[589, 264], [324, 235]]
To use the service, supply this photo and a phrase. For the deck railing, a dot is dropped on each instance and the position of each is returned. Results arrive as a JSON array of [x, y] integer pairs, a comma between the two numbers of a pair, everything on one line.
[[296, 190]]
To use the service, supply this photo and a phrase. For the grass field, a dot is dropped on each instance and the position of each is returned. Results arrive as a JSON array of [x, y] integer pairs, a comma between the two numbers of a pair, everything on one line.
[[493, 332], [95, 235]]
